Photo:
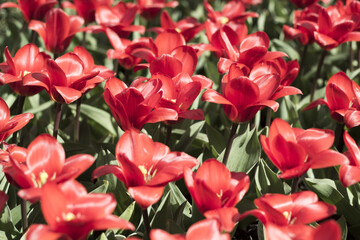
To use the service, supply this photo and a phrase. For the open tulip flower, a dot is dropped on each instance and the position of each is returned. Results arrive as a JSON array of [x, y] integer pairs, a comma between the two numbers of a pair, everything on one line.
[[293, 150], [336, 27], [31, 9], [252, 49], [287, 215], [58, 29], [43, 161], [349, 174], [207, 229], [188, 27], [305, 3], [150, 8], [168, 53], [134, 106], [180, 92], [69, 76], [305, 24], [27, 60], [118, 18], [72, 213], [145, 167], [342, 99], [232, 13], [9, 126], [122, 49], [215, 191], [86, 8], [245, 92]]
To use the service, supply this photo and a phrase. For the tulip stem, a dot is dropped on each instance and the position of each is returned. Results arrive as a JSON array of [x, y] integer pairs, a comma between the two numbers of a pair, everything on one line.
[[24, 218], [57, 119], [168, 135], [146, 224], [294, 184], [19, 109], [351, 53], [230, 141], [318, 71], [339, 132], [77, 120], [302, 60], [268, 117]]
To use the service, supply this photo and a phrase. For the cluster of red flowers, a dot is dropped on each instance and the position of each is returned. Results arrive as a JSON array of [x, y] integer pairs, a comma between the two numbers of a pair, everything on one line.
[[254, 78]]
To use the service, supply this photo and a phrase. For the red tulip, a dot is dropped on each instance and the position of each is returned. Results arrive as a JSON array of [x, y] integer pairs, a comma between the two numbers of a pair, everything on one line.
[[244, 96], [118, 18], [213, 186], [342, 99], [253, 49], [9, 126], [289, 213], [43, 161], [145, 167], [72, 213], [86, 8], [69, 76], [122, 49], [293, 151], [134, 106], [285, 217], [349, 174], [180, 92], [27, 60], [168, 54], [31, 9], [329, 230], [58, 29], [305, 24], [305, 3], [335, 27], [232, 13], [150, 8], [3, 199], [188, 27], [203, 230]]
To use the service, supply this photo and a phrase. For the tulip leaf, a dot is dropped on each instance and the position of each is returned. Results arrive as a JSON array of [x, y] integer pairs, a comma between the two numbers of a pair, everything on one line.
[[266, 180], [212, 72], [100, 116], [245, 150], [326, 189], [283, 46], [216, 139], [40, 108], [6, 223], [342, 222], [189, 136], [128, 211]]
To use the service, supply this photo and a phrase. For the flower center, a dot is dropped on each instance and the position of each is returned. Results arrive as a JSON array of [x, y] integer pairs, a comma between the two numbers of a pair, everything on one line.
[[224, 20], [26, 73], [178, 30], [68, 216], [42, 178], [147, 173]]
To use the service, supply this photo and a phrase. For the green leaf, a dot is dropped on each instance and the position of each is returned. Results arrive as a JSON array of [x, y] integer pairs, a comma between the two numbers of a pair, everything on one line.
[[342, 222], [189, 136], [216, 139], [100, 116], [128, 211], [6, 224], [266, 180], [40, 108], [245, 150]]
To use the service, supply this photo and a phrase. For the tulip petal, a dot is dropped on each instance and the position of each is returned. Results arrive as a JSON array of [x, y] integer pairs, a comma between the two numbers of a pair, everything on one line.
[[168, 41], [349, 175], [65, 94], [107, 169], [327, 158], [353, 149], [329, 230], [166, 64], [40, 231], [188, 57], [146, 196], [352, 118], [225, 217]]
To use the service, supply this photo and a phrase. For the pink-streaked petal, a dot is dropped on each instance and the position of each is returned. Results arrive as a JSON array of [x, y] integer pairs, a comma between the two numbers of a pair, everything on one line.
[[349, 175]]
